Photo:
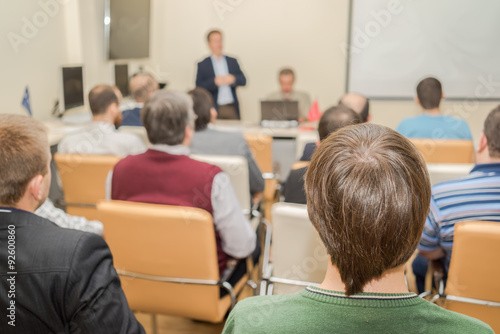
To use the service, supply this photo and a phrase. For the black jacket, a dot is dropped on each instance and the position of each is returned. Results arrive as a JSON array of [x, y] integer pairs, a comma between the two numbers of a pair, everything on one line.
[[205, 76], [65, 281]]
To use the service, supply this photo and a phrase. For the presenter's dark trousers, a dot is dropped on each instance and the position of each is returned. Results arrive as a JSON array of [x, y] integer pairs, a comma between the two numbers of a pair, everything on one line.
[[227, 111]]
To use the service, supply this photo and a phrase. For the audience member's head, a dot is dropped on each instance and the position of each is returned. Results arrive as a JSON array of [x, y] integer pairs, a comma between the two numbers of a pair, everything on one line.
[[489, 144], [368, 195], [335, 118], [214, 39], [168, 117], [142, 86], [358, 103], [24, 163], [286, 78], [203, 106], [104, 104], [429, 93]]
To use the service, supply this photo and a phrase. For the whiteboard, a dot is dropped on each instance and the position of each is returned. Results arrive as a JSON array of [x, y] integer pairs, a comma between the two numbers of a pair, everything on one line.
[[396, 43]]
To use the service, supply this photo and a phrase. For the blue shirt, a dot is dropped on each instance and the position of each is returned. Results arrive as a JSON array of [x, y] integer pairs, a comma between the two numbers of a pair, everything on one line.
[[434, 127], [220, 68], [472, 197]]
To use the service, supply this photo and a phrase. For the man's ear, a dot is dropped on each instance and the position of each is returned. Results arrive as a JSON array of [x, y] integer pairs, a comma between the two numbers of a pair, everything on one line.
[[417, 101], [483, 143], [35, 187]]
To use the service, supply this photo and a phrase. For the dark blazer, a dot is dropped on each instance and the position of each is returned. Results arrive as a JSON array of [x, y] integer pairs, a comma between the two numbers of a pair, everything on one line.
[[65, 281], [294, 186], [205, 76], [309, 150]]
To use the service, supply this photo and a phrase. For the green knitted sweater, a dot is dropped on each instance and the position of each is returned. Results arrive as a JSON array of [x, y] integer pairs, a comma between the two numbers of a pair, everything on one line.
[[315, 310]]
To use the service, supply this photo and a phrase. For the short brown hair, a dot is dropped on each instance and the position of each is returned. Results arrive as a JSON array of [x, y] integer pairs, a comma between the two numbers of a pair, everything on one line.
[[368, 195], [24, 154], [335, 118], [287, 71], [166, 115], [211, 32], [202, 104], [100, 98], [429, 93], [492, 132]]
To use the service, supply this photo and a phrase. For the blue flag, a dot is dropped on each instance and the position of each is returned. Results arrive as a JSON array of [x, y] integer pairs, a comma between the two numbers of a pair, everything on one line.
[[26, 101]]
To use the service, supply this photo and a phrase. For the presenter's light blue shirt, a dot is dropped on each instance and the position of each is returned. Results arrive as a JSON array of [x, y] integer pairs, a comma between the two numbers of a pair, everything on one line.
[[225, 95], [434, 127]]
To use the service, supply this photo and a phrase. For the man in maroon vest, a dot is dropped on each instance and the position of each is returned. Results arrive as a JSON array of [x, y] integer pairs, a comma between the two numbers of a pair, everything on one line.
[[166, 175]]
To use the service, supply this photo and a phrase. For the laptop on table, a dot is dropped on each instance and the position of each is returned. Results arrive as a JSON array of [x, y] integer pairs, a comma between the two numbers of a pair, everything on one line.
[[279, 114]]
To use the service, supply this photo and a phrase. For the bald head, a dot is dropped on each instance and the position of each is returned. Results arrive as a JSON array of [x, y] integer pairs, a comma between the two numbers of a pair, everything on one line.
[[358, 103], [142, 86]]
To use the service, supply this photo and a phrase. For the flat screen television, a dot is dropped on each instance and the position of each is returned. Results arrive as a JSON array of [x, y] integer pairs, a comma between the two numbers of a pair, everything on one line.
[[127, 25], [121, 78], [72, 83]]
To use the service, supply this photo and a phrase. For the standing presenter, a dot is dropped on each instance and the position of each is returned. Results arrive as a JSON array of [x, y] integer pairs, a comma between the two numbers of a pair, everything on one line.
[[220, 75]]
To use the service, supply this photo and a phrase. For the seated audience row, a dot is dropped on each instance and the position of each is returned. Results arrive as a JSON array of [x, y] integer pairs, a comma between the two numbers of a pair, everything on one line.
[[368, 194]]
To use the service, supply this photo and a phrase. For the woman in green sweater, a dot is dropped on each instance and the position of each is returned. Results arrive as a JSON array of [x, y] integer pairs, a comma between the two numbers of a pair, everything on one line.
[[368, 196]]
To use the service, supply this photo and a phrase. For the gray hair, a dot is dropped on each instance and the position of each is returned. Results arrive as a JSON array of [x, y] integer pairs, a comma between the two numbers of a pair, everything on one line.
[[166, 115]]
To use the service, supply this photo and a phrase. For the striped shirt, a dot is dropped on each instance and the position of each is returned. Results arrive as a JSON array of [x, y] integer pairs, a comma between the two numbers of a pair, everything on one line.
[[469, 198]]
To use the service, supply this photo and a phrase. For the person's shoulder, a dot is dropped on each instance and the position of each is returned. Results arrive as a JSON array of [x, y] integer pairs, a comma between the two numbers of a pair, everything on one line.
[[204, 61], [456, 322], [257, 303]]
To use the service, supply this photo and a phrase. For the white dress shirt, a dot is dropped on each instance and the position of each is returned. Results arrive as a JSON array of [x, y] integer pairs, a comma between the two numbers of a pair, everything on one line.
[[101, 138], [225, 95], [237, 236]]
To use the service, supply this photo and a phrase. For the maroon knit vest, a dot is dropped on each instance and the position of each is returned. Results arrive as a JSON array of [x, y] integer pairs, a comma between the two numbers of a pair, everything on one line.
[[162, 178]]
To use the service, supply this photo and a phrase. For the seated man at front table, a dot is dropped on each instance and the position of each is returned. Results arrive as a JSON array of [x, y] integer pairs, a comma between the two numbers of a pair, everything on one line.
[[207, 140], [286, 79], [166, 175], [368, 194], [432, 123], [332, 120], [60, 280], [473, 197], [141, 86], [101, 138]]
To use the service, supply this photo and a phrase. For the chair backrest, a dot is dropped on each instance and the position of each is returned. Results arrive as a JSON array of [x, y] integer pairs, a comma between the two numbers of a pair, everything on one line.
[[164, 241], [297, 250], [261, 147], [300, 164], [474, 270], [140, 131], [236, 168], [444, 172], [445, 150], [304, 138], [83, 180]]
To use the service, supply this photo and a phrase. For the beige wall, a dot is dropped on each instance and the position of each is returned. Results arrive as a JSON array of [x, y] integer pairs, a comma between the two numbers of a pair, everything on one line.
[[264, 35]]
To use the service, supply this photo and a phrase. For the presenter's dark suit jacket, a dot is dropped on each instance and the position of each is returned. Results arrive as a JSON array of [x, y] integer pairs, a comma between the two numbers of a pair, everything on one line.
[[65, 281], [205, 76]]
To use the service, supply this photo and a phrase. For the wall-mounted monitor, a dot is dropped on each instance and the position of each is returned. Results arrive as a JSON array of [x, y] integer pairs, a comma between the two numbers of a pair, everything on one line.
[[127, 28], [72, 84], [121, 78]]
